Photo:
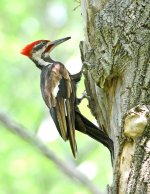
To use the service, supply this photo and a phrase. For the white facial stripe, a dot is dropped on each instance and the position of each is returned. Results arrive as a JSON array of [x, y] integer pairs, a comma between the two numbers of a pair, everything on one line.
[[37, 56], [46, 54], [42, 62]]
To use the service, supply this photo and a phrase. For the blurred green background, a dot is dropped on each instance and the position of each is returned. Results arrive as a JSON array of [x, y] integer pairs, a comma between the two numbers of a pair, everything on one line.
[[23, 169]]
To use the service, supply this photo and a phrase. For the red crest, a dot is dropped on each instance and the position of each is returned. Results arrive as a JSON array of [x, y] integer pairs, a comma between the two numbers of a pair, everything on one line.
[[27, 49]]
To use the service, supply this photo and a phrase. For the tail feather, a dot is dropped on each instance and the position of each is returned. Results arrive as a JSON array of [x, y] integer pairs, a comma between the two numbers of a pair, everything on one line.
[[83, 125]]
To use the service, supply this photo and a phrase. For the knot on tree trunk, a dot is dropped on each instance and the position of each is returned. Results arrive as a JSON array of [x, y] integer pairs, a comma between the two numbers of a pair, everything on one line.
[[136, 121]]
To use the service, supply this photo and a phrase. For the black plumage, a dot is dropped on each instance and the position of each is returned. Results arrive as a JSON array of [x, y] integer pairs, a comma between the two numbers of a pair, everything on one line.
[[58, 89], [58, 94]]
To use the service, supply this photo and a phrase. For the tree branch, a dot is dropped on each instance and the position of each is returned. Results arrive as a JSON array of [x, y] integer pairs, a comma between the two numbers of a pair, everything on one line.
[[66, 168]]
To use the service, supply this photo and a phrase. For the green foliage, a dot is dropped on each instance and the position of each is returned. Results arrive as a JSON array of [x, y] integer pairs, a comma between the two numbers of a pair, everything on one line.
[[23, 169]]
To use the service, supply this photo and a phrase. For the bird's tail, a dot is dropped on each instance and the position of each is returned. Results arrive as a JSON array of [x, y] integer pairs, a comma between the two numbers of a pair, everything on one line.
[[83, 125]]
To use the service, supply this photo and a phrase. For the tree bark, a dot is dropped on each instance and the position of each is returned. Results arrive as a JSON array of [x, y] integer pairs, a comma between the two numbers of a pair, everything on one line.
[[116, 66]]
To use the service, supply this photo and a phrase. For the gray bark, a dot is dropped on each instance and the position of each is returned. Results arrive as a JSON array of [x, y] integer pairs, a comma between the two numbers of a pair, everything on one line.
[[116, 66]]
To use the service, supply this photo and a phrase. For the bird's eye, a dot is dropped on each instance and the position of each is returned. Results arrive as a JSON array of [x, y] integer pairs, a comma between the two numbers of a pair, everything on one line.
[[43, 43]]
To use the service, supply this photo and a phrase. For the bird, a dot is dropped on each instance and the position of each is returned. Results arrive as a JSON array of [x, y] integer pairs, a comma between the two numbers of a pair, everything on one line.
[[56, 87]]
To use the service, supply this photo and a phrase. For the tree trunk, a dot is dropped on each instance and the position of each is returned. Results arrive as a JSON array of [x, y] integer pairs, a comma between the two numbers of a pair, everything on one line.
[[116, 66]]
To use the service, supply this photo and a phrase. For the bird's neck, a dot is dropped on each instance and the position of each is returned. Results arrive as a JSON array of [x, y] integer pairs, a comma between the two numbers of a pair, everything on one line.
[[42, 61]]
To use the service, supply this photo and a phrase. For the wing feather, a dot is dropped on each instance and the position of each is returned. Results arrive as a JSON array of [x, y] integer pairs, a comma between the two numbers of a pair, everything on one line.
[[70, 111], [60, 112], [58, 95], [71, 128]]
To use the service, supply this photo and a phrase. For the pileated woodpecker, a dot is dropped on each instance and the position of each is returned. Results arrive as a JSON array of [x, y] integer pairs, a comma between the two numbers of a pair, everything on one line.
[[58, 89]]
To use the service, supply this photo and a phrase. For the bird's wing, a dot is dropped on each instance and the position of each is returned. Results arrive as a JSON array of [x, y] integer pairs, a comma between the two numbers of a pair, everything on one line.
[[59, 96]]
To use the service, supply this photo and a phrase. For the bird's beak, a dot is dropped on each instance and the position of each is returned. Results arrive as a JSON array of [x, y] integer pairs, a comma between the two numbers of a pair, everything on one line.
[[53, 44], [59, 41]]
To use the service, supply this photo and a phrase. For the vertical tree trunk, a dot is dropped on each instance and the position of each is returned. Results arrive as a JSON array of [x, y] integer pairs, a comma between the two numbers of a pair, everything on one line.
[[116, 66]]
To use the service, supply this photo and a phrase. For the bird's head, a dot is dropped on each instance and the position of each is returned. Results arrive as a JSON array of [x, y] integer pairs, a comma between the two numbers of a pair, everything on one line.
[[36, 49]]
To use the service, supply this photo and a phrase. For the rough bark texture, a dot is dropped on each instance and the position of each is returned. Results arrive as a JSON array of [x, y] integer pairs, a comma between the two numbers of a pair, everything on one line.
[[116, 66]]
